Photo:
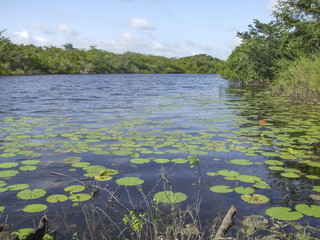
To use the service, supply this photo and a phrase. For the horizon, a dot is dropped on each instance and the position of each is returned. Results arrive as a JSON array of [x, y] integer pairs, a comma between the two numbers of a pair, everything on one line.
[[178, 29]]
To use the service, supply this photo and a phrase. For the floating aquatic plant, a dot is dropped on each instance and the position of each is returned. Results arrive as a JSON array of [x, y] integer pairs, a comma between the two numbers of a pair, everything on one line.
[[316, 188], [243, 162], [80, 197], [248, 178], [28, 168], [31, 194], [75, 188], [23, 232], [17, 187], [274, 162], [170, 197], [8, 164], [283, 213], [130, 181], [227, 173], [57, 198], [255, 198], [313, 210], [32, 208], [8, 173], [140, 160], [221, 189], [242, 190], [30, 162], [2, 208], [179, 160], [290, 175]]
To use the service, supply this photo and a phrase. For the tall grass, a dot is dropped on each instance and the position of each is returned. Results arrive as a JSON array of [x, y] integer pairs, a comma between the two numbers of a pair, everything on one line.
[[300, 81]]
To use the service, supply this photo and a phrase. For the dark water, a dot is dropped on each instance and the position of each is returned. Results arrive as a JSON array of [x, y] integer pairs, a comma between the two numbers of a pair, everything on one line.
[[155, 116]]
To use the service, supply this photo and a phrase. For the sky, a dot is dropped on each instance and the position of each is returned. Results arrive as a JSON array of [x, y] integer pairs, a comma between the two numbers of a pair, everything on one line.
[[170, 28]]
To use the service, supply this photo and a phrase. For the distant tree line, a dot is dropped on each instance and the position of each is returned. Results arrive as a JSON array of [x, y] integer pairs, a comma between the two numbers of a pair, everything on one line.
[[283, 54], [29, 59]]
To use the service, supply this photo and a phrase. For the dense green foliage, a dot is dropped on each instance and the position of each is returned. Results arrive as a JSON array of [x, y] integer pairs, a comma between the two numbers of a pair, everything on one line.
[[29, 59], [277, 52]]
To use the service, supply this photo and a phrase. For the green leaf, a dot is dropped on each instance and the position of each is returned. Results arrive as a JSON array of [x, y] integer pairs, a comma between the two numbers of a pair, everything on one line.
[[314, 164], [312, 211], [28, 168], [179, 160], [35, 208], [283, 213], [80, 197], [316, 188], [129, 181], [31, 194], [57, 198], [139, 160], [212, 174], [8, 164], [276, 168], [255, 198], [243, 162], [227, 173], [23, 232], [290, 175], [18, 187], [274, 162], [221, 189], [30, 162], [75, 188], [242, 190], [161, 160], [2, 208], [170, 197], [261, 185], [80, 164], [8, 173], [248, 178]]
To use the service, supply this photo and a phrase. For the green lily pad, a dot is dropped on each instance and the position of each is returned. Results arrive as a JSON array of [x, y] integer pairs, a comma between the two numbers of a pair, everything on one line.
[[161, 160], [179, 160], [8, 173], [315, 197], [283, 213], [75, 188], [212, 174], [221, 189], [170, 197], [80, 164], [261, 185], [102, 178], [255, 198], [30, 162], [276, 168], [274, 162], [8, 164], [32, 208], [2, 208], [290, 175], [31, 194], [80, 197], [17, 187], [139, 160], [72, 160], [3, 190], [242, 190], [314, 164], [57, 198], [23, 232], [227, 173], [129, 181], [316, 188], [243, 162], [248, 178], [312, 176], [312, 211], [107, 172], [28, 168]]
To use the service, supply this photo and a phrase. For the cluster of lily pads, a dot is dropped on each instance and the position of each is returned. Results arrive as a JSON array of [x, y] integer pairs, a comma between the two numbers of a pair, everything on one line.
[[281, 137]]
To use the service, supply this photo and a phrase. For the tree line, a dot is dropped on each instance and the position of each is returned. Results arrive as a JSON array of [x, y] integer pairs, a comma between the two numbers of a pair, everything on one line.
[[30, 59], [283, 54]]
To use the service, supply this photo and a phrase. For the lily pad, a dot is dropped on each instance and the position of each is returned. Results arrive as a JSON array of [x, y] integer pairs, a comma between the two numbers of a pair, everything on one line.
[[130, 181], [139, 160], [2, 208], [8, 164], [316, 188], [170, 197], [290, 175], [23, 232], [261, 185], [242, 190], [227, 173], [17, 187], [248, 178], [28, 168], [75, 188], [255, 198], [314, 164], [221, 189], [35, 208], [57, 198], [243, 162], [102, 178], [72, 160], [283, 213], [312, 211], [179, 160], [31, 194], [161, 160], [30, 162], [80, 164], [8, 173], [80, 197], [212, 174], [276, 168], [312, 176], [274, 162]]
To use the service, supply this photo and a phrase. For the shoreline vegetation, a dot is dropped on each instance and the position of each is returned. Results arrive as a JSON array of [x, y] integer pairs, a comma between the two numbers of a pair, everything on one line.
[[282, 56]]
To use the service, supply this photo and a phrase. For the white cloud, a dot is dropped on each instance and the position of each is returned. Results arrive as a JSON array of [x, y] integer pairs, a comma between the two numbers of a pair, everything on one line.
[[199, 46], [44, 29], [140, 24], [24, 37], [67, 30], [236, 41], [271, 5]]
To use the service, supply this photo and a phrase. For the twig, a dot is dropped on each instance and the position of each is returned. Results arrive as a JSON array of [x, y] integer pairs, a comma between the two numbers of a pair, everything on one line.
[[226, 223]]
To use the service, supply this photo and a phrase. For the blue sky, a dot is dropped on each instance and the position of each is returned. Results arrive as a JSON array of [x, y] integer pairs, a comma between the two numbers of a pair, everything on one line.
[[171, 28]]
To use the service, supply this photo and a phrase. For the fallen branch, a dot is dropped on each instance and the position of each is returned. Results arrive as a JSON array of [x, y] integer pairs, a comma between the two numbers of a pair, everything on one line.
[[226, 223]]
